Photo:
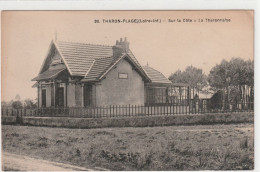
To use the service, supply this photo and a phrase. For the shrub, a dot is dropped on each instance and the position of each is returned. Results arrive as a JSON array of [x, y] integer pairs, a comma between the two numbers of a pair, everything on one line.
[[244, 143]]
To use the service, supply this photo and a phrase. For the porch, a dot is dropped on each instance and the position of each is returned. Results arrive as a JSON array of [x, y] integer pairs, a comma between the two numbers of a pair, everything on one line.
[[64, 94]]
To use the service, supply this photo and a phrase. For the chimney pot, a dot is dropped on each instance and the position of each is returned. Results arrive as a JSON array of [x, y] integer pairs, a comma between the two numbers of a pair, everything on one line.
[[120, 47]]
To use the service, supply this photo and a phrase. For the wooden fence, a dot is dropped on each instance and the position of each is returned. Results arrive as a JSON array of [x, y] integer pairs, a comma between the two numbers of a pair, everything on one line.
[[129, 110]]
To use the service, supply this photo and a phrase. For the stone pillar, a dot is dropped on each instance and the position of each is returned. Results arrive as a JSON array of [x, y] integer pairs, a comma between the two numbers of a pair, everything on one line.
[[71, 98]]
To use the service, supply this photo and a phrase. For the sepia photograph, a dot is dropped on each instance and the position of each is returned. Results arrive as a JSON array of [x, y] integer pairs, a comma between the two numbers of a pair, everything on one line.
[[165, 90]]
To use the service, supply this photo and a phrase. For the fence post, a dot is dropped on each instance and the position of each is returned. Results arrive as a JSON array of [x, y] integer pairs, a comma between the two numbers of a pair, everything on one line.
[[103, 111], [186, 107], [99, 108], [129, 109], [135, 110], [165, 110], [110, 111], [132, 110], [170, 108], [182, 108], [167, 106], [148, 109], [117, 114], [113, 110]]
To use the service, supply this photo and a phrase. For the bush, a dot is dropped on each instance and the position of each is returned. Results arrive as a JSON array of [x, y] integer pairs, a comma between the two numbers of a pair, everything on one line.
[[17, 104]]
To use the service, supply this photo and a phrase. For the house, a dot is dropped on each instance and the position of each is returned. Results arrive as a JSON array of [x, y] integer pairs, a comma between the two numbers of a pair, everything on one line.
[[82, 75]]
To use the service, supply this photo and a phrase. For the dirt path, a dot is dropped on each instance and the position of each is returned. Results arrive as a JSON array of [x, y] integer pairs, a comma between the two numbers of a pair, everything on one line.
[[15, 162]]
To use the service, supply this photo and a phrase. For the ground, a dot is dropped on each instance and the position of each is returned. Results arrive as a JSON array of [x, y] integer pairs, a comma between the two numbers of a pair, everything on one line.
[[203, 147], [13, 162]]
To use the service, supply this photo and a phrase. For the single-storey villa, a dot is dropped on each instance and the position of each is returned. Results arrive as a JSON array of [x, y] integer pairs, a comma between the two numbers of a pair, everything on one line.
[[82, 75]]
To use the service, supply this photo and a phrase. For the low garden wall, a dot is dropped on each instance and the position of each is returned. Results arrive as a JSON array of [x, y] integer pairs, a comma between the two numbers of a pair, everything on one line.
[[148, 121], [8, 119]]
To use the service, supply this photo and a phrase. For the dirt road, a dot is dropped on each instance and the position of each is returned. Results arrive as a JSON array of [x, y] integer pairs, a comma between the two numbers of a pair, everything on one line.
[[13, 162]]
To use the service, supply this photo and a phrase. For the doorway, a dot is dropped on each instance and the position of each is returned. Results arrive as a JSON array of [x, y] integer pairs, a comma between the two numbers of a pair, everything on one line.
[[60, 97], [44, 98], [87, 95]]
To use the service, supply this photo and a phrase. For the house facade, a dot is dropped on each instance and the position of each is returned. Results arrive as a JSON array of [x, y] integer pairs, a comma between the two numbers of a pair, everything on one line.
[[82, 75]]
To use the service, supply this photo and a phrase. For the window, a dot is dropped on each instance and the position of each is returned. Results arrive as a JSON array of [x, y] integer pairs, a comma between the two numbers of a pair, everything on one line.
[[60, 97], [122, 75], [156, 95]]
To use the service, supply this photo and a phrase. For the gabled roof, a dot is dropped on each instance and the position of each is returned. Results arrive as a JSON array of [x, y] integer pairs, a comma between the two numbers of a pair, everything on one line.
[[156, 76], [79, 56], [102, 66], [93, 62]]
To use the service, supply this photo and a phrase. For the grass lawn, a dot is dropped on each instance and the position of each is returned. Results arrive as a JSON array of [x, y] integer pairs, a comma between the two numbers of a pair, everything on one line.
[[204, 147]]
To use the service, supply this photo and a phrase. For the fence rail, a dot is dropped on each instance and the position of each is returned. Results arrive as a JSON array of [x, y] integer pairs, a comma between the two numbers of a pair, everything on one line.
[[131, 110]]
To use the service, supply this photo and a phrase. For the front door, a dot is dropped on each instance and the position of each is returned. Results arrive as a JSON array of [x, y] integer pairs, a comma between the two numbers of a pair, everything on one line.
[[44, 98], [60, 97], [87, 95]]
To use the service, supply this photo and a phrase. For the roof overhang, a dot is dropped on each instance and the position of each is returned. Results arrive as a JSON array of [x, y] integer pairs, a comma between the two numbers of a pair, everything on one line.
[[49, 74], [35, 85]]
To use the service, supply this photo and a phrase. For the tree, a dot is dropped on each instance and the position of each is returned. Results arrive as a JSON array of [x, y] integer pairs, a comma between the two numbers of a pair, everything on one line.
[[177, 77], [17, 104], [219, 76], [6, 104], [236, 75], [30, 104], [192, 76], [17, 97]]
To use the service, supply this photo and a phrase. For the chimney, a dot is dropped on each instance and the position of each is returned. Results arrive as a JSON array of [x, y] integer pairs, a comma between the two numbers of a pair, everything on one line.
[[126, 44], [120, 47]]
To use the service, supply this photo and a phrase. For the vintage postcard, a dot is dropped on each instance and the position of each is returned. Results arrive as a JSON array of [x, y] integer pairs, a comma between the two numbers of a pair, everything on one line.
[[127, 90]]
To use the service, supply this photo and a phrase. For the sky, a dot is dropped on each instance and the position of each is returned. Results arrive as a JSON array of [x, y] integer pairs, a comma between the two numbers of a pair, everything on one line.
[[165, 46]]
